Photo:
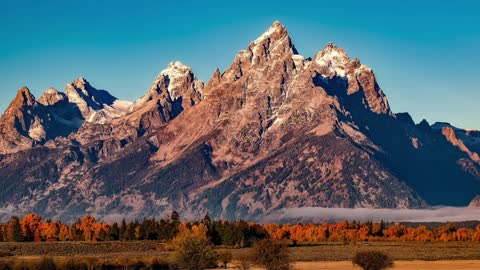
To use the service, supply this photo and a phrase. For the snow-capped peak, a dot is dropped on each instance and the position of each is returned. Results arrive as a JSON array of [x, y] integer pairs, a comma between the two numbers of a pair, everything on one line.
[[176, 81], [51, 91], [51, 96], [174, 75], [76, 89], [334, 59], [176, 68], [274, 28], [95, 105]]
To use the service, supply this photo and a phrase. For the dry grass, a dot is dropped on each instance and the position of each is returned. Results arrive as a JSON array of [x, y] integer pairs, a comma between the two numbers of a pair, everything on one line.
[[400, 265], [402, 251], [82, 248], [407, 255]]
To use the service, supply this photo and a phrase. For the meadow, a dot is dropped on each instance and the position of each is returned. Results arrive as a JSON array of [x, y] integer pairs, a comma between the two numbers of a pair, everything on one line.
[[326, 255]]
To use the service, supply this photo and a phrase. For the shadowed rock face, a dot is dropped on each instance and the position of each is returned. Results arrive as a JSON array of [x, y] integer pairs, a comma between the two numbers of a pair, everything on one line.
[[274, 130]]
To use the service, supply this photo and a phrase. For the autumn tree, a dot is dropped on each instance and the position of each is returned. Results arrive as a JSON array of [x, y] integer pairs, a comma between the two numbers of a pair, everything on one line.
[[49, 231], [29, 225], [75, 233], [14, 230], [377, 229], [272, 254], [372, 260], [192, 250], [86, 226], [464, 234]]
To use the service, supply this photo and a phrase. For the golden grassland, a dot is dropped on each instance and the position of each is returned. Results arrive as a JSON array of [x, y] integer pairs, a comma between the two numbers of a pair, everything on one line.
[[327, 251], [318, 265], [399, 265], [328, 255]]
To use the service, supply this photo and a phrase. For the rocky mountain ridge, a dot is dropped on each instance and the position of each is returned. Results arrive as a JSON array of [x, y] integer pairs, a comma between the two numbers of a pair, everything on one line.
[[275, 130]]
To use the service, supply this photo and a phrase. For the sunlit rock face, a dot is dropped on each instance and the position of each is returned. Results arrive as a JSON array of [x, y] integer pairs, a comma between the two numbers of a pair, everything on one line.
[[274, 130]]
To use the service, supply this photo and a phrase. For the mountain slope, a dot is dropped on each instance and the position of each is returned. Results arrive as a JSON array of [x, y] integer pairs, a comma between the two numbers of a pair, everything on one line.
[[274, 130]]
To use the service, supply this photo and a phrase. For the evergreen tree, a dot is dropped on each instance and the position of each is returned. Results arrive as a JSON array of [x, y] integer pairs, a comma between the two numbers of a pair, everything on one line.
[[139, 232], [130, 232], [102, 235], [206, 220], [114, 232], [2, 238], [175, 223], [123, 230], [150, 229], [14, 232], [175, 217]]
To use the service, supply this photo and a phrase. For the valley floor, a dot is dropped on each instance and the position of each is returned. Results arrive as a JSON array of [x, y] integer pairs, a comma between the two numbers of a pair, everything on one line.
[[400, 265], [328, 255]]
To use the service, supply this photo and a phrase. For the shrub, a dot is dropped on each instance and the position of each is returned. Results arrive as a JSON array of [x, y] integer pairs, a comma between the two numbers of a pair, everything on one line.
[[110, 266], [159, 265], [192, 250], [74, 264], [272, 254], [224, 257], [244, 264], [372, 260], [5, 253], [91, 262], [45, 263], [6, 266]]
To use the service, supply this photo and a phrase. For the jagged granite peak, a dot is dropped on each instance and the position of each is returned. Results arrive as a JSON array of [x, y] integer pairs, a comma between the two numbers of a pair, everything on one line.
[[276, 34], [268, 107], [335, 66], [468, 141], [87, 98], [175, 83], [265, 53], [440, 125], [17, 121], [173, 91], [449, 134], [405, 117], [214, 80], [181, 83], [334, 60], [424, 125], [19, 109], [275, 130], [51, 96], [23, 98]]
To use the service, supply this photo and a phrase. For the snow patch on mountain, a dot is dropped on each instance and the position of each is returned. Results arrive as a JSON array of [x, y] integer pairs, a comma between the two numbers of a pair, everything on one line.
[[334, 59], [175, 73], [118, 109], [37, 133]]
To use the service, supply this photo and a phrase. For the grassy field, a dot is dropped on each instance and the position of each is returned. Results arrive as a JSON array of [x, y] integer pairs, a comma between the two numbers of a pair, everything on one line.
[[401, 265], [329, 251], [404, 251], [408, 255]]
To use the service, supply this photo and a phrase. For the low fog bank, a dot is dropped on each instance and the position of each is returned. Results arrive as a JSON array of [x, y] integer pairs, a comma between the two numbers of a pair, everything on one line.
[[319, 214]]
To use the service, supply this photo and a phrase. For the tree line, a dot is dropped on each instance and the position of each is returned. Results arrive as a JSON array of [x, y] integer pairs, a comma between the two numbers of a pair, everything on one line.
[[224, 233]]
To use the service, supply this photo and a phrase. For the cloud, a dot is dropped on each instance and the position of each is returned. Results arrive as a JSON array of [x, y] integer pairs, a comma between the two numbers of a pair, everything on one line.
[[319, 214]]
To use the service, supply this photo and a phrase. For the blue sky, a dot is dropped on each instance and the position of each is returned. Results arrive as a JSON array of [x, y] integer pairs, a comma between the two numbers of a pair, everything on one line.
[[425, 55]]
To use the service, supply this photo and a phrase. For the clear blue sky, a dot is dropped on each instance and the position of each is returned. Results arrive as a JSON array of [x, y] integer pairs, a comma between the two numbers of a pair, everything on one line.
[[425, 55]]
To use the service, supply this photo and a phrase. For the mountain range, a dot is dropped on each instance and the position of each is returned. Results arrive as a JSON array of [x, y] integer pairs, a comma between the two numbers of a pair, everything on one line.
[[275, 130]]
